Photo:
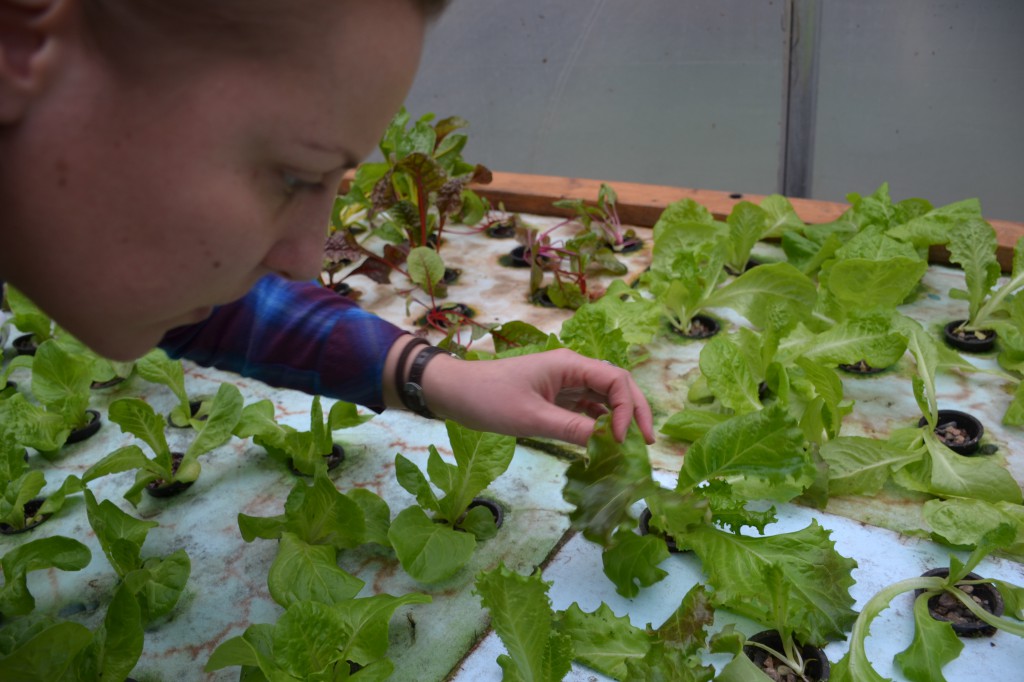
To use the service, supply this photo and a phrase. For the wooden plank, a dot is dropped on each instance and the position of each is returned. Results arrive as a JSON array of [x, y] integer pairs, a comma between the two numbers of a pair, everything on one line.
[[641, 204]]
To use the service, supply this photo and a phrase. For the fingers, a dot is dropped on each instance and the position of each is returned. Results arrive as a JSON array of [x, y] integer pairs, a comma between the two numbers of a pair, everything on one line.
[[612, 386], [557, 394]]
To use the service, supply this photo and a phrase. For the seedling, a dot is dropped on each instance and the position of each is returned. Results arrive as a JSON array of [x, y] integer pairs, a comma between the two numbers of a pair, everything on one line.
[[42, 648], [973, 247], [789, 658], [138, 418], [20, 487], [27, 317], [157, 367], [156, 583], [603, 220], [433, 549], [57, 552], [350, 631], [934, 643], [688, 272], [542, 643], [61, 382], [299, 449]]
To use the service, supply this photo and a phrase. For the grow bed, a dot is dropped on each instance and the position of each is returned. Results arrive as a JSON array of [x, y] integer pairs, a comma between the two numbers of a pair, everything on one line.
[[227, 590]]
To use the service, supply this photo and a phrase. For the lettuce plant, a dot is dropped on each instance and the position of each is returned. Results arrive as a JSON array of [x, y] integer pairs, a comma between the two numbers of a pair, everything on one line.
[[29, 425], [542, 643], [18, 484], [313, 640], [156, 583], [935, 644], [760, 455], [318, 521], [730, 640], [157, 368], [27, 317], [688, 273], [434, 549], [138, 418], [973, 247], [57, 552], [938, 470], [300, 449], [61, 381], [319, 597], [43, 648]]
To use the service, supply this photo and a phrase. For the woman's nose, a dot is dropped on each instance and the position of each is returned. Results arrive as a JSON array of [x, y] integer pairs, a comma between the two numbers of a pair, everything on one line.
[[299, 255]]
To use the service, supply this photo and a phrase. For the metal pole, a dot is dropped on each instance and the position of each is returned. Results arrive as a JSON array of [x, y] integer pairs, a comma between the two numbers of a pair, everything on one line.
[[802, 22]]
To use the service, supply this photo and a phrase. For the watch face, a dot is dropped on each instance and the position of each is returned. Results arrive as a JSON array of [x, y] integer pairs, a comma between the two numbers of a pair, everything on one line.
[[416, 402]]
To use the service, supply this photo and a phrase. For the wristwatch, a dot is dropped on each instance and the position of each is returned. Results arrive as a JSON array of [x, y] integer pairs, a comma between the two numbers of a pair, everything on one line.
[[412, 389]]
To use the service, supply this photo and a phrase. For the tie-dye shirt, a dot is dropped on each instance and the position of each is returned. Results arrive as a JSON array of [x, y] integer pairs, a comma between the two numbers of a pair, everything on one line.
[[293, 335]]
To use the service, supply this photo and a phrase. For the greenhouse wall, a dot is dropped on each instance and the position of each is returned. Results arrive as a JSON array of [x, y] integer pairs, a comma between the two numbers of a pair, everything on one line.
[[925, 95]]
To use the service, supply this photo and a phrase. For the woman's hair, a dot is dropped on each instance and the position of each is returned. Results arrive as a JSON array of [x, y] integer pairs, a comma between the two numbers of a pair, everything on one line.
[[129, 31]]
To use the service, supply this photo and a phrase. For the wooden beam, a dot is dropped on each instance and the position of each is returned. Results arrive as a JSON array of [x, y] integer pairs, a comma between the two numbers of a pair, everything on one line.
[[641, 204]]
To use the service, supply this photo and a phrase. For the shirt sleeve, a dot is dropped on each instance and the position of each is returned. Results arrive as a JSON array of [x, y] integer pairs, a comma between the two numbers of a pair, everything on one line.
[[293, 335]]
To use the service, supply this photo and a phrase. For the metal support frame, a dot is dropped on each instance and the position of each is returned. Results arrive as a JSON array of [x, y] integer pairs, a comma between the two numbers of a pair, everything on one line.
[[802, 24]]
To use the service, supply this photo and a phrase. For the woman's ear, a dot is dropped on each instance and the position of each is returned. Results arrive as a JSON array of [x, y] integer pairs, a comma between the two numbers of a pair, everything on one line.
[[29, 32]]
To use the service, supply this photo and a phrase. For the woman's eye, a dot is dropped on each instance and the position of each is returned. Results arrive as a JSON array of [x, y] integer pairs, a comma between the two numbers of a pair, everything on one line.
[[294, 182]]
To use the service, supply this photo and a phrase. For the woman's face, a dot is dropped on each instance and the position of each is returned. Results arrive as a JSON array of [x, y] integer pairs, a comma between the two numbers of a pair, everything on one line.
[[132, 206]]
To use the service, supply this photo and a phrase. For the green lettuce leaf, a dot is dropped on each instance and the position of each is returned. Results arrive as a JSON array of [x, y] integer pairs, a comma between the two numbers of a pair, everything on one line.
[[819, 604], [861, 466], [934, 645], [606, 483], [603, 641], [305, 572], [521, 615], [429, 552], [631, 561], [764, 450], [57, 552], [779, 284]]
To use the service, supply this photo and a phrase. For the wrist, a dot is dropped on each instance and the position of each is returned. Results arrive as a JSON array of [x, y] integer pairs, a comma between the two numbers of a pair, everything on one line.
[[411, 390], [406, 367]]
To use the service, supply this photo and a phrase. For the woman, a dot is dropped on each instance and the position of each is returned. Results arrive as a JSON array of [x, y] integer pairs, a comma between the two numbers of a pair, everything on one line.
[[167, 171]]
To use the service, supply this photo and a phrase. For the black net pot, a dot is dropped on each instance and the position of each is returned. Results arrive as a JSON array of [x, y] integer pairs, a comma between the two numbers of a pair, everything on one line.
[[87, 431], [496, 509], [31, 507], [949, 609], [542, 299], [451, 275], [193, 407], [644, 524], [630, 244], [159, 489], [701, 327], [966, 443], [515, 258], [505, 229], [816, 665], [334, 458], [981, 341], [109, 383], [861, 368], [25, 345], [518, 258]]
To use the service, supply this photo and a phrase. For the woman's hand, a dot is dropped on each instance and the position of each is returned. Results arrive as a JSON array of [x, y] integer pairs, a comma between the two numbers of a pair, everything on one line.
[[555, 394]]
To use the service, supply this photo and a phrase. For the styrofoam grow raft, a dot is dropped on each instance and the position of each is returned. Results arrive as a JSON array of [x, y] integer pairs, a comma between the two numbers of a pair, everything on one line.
[[227, 590]]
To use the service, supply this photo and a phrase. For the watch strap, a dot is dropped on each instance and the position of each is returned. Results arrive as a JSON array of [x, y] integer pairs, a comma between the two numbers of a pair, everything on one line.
[[412, 390]]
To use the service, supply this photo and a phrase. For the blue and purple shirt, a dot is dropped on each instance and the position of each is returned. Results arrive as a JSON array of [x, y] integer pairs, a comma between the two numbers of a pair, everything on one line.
[[293, 335]]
